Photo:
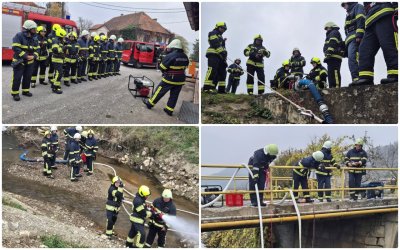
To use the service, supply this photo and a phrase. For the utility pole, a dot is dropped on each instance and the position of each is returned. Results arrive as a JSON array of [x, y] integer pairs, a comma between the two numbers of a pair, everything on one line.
[[62, 9]]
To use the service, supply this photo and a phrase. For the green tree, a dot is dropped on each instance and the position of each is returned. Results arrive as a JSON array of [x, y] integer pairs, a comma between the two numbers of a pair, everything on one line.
[[195, 55]]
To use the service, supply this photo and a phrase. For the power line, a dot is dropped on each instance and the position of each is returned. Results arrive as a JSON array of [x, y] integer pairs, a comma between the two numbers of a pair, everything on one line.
[[137, 8], [175, 22], [122, 10]]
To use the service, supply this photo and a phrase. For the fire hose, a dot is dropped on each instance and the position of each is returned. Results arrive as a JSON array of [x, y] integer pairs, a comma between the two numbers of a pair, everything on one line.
[[298, 215]]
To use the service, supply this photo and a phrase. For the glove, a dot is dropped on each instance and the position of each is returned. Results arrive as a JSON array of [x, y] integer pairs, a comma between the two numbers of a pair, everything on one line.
[[317, 78], [321, 167], [255, 178], [121, 184], [337, 166], [94, 156]]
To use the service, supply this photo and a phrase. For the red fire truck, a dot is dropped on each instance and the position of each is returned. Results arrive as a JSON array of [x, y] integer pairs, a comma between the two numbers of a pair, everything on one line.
[[15, 14], [140, 53]]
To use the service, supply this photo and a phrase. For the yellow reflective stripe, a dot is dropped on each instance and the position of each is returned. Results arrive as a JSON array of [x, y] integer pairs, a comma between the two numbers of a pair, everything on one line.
[[333, 38], [136, 219], [169, 108], [162, 66], [114, 192], [393, 72], [173, 83], [139, 208], [360, 16], [337, 78], [57, 60], [336, 56], [297, 172], [138, 244], [371, 18], [16, 45], [355, 158], [366, 73], [148, 214], [213, 37], [130, 240], [360, 31], [349, 38], [177, 67], [112, 208], [322, 173], [256, 64]]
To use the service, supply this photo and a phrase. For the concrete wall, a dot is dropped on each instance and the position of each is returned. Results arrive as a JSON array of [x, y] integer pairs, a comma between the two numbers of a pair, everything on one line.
[[376, 231]]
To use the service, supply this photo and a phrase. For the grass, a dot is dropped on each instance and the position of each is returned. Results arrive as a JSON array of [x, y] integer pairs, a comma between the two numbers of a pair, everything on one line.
[[210, 99], [55, 241], [12, 204]]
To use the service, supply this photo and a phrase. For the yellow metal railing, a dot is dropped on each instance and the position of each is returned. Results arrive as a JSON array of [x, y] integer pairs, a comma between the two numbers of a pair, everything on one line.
[[272, 179]]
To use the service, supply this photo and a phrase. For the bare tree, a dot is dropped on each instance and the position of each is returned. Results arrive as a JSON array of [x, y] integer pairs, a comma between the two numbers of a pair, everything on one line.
[[84, 24]]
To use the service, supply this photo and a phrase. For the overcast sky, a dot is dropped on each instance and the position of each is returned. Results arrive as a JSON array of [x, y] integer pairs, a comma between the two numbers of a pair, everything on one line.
[[175, 22], [283, 27], [235, 144]]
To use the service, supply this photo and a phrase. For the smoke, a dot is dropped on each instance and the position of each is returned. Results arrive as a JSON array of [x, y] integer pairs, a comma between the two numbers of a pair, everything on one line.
[[187, 229]]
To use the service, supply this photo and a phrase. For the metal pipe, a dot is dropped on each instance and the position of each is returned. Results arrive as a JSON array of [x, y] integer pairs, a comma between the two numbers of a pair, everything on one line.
[[298, 190], [210, 177], [289, 167], [214, 226]]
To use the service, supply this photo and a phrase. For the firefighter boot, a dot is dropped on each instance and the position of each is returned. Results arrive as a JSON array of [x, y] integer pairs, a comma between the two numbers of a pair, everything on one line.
[[29, 94], [146, 102], [33, 84], [16, 97], [168, 112], [389, 80], [57, 90], [67, 84], [309, 200], [362, 82], [42, 82]]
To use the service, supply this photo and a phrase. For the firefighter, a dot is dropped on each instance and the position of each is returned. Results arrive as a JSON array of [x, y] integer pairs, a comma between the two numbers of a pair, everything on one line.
[[140, 212], [97, 54], [216, 55], [281, 79], [71, 59], [379, 33], [157, 226], [41, 60], [55, 145], [75, 159], [103, 57], [118, 55], [114, 201], [57, 60], [235, 71], [300, 175], [356, 158], [50, 39], [318, 73], [110, 56], [260, 161], [324, 175], [334, 52], [297, 62], [90, 151], [23, 45], [93, 56], [83, 55], [69, 137], [47, 154], [173, 67], [255, 64], [354, 30]]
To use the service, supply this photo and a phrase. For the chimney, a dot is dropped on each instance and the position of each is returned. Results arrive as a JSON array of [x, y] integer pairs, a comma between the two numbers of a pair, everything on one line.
[[155, 19], [122, 14]]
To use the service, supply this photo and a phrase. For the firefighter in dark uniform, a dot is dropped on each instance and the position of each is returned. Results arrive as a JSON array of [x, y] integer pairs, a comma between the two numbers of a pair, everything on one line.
[[97, 54], [281, 79], [216, 55], [83, 55], [334, 53], [69, 136], [57, 59], [255, 64], [55, 145], [157, 226], [23, 45], [93, 57], [47, 154], [300, 176], [118, 55], [90, 150], [324, 175], [260, 162], [114, 201], [140, 212], [235, 71], [41, 60], [71, 59], [354, 30], [75, 159], [173, 67], [379, 33], [50, 39], [297, 62], [103, 57], [111, 55], [318, 73], [356, 158]]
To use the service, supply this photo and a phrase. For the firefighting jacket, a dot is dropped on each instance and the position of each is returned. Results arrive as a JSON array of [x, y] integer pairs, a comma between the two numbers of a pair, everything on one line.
[[96, 51], [139, 210], [24, 46], [114, 198], [48, 150], [91, 49], [165, 208], [54, 142], [74, 153], [111, 50], [256, 54], [173, 67], [83, 48], [318, 75], [333, 44], [90, 147], [328, 161], [41, 48], [355, 22], [57, 50], [280, 78], [355, 155], [217, 44], [103, 51], [118, 50], [296, 64], [235, 71], [50, 38], [71, 51], [70, 132], [306, 164], [375, 11], [261, 161]]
